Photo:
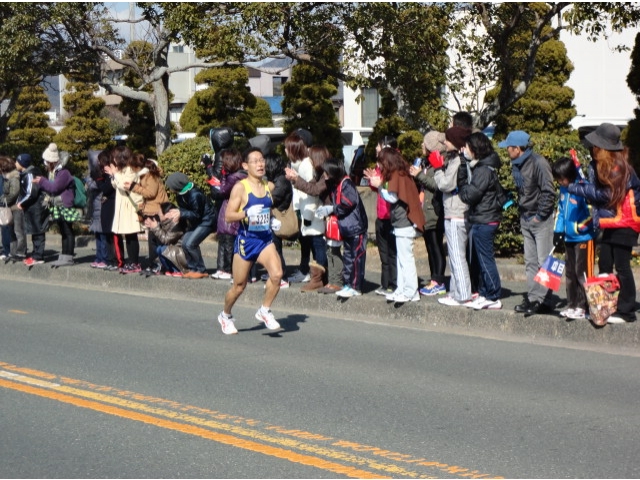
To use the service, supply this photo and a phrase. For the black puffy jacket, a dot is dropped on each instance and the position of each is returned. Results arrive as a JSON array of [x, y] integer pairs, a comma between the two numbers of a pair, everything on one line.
[[483, 193]]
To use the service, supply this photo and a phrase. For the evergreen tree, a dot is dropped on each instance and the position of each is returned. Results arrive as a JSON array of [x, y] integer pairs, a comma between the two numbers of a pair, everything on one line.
[[547, 105], [141, 129], [29, 129], [85, 129], [226, 102], [307, 104], [632, 133], [261, 114]]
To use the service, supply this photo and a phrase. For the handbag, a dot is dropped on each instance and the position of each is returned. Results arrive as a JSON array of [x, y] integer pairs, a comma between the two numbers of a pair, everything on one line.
[[289, 221], [602, 296], [332, 231], [6, 217]]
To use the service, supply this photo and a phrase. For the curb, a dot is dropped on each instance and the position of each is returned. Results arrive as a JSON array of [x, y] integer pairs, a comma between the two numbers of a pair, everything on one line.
[[427, 314]]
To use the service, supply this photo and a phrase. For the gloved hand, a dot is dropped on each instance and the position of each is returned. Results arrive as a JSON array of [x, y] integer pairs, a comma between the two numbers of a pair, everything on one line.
[[206, 160], [436, 160], [275, 224], [324, 211], [254, 211], [463, 175], [558, 238]]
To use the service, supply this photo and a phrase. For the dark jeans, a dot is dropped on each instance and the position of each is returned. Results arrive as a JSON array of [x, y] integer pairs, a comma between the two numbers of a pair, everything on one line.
[[38, 246], [6, 240], [386, 241], [166, 263], [434, 241], [18, 234], [68, 239], [191, 246], [102, 250], [225, 251], [481, 239], [619, 256], [318, 246]]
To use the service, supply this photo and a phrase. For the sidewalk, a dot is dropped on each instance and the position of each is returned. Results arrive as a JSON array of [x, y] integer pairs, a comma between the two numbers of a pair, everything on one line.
[[427, 314]]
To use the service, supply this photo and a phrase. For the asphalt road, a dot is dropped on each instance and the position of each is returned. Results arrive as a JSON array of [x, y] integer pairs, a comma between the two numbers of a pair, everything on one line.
[[98, 384]]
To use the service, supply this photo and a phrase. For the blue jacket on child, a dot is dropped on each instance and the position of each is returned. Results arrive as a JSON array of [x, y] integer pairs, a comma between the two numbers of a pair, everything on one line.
[[573, 218]]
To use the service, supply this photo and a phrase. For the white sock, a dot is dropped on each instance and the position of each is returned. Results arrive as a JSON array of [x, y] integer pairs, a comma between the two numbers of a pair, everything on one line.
[[264, 309]]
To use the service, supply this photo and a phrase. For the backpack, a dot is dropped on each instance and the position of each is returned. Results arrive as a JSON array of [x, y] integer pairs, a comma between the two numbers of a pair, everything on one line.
[[80, 194]]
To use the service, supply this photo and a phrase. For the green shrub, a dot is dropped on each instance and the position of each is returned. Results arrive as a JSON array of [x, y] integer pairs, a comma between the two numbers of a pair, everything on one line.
[[185, 157]]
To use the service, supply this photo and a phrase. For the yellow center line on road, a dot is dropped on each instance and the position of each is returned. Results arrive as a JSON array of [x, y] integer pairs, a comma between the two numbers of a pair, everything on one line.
[[229, 428]]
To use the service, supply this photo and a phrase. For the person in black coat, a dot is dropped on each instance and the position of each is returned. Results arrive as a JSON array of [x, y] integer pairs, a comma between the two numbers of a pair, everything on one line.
[[281, 195], [200, 215], [108, 210], [36, 214]]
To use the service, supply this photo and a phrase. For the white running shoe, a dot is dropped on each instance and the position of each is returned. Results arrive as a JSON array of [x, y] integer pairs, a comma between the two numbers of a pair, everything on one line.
[[566, 312], [614, 319], [268, 319], [220, 275], [299, 277], [228, 327], [488, 305], [348, 292], [577, 314], [449, 301], [476, 301], [404, 299]]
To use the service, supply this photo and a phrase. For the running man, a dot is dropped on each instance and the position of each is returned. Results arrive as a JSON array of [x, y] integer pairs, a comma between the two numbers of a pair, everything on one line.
[[250, 204]]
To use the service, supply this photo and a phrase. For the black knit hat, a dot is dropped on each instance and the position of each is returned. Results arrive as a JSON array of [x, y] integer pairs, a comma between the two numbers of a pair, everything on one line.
[[24, 159]]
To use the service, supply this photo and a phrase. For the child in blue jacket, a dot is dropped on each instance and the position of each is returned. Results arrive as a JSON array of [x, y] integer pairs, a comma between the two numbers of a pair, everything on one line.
[[574, 225]]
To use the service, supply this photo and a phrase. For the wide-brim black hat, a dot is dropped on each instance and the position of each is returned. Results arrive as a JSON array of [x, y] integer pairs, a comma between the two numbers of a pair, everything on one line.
[[606, 136]]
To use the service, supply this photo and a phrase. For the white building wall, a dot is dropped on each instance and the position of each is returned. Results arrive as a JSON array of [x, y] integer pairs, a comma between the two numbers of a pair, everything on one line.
[[599, 79]]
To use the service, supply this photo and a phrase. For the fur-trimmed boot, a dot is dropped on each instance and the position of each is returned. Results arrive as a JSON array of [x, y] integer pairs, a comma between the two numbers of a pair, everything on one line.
[[63, 261], [317, 273]]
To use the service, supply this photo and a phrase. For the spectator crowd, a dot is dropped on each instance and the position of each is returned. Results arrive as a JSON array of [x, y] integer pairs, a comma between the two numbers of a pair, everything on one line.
[[451, 197]]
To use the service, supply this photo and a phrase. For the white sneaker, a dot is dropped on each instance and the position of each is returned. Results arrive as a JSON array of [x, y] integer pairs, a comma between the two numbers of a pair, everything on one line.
[[402, 298], [284, 283], [268, 319], [576, 314], [488, 305], [348, 292], [614, 319], [449, 301], [391, 297], [299, 277], [567, 312], [220, 275], [3, 257], [228, 327], [474, 302]]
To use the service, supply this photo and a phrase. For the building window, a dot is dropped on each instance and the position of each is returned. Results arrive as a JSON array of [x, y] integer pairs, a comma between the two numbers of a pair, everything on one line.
[[277, 86], [370, 104], [178, 49]]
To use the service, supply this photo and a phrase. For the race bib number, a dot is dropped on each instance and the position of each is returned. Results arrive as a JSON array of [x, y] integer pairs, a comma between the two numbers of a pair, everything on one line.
[[261, 222]]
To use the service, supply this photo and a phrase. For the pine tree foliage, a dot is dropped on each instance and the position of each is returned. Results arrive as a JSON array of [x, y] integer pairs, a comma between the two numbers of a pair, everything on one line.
[[307, 104], [29, 124], [141, 126], [227, 101], [85, 128]]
